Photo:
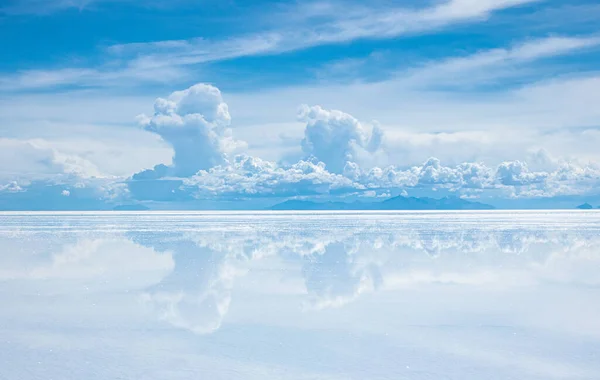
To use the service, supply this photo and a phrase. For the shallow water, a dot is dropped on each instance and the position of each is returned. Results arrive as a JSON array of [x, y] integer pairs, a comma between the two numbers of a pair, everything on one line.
[[312, 295]]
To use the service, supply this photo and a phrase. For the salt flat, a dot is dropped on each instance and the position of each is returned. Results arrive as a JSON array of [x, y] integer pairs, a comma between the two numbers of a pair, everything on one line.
[[308, 295]]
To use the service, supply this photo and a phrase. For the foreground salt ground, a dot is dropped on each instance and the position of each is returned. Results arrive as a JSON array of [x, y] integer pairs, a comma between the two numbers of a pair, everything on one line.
[[433, 295]]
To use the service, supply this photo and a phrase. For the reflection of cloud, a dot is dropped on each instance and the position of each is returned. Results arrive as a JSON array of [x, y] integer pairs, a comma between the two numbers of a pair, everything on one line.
[[188, 267], [561, 266], [201, 313], [197, 294], [333, 279], [513, 299], [97, 265], [340, 261]]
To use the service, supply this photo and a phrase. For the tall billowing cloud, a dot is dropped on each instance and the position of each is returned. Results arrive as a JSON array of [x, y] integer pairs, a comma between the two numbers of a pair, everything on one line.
[[196, 123], [343, 159], [340, 155], [335, 137]]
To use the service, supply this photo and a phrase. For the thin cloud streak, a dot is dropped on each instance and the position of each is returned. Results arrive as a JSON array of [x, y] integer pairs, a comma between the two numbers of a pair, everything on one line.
[[157, 69], [163, 60], [335, 26]]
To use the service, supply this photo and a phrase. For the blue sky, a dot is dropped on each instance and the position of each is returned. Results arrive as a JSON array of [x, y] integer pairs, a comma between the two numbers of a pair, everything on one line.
[[218, 104]]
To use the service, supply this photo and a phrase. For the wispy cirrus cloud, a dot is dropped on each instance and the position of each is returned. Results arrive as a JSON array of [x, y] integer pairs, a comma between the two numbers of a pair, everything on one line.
[[479, 68], [170, 64], [104, 76], [312, 25], [318, 24], [486, 66]]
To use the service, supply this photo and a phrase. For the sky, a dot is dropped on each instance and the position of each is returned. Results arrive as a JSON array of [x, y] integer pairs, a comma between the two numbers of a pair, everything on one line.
[[231, 104]]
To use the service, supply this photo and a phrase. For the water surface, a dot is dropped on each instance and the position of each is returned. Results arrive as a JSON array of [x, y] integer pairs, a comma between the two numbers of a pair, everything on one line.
[[311, 295]]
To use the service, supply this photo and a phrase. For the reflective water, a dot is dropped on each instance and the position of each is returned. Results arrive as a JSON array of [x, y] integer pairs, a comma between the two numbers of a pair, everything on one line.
[[483, 295]]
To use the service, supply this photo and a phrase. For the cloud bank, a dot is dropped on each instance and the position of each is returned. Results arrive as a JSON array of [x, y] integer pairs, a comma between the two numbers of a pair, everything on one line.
[[338, 155], [342, 158]]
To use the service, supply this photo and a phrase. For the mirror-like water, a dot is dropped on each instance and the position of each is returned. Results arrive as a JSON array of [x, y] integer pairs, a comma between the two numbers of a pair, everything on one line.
[[454, 295]]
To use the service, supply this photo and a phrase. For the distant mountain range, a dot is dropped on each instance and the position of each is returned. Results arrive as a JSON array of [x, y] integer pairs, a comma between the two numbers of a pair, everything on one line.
[[134, 207], [585, 206], [396, 203]]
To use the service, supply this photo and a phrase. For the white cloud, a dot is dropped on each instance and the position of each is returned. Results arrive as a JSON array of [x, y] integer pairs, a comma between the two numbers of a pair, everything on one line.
[[109, 76], [11, 187], [248, 176], [559, 116], [337, 145], [89, 125], [307, 25], [166, 62], [343, 158], [335, 137], [163, 61], [516, 173], [493, 65], [34, 176], [195, 122], [29, 160]]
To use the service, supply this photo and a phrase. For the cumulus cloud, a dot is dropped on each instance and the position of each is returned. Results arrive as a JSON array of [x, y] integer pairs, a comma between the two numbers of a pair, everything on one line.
[[339, 156], [36, 161], [516, 173], [248, 176], [342, 158], [196, 123], [335, 137], [431, 174], [251, 176], [44, 178]]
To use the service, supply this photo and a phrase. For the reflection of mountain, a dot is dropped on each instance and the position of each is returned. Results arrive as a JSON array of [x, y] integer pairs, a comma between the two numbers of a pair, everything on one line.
[[396, 203]]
